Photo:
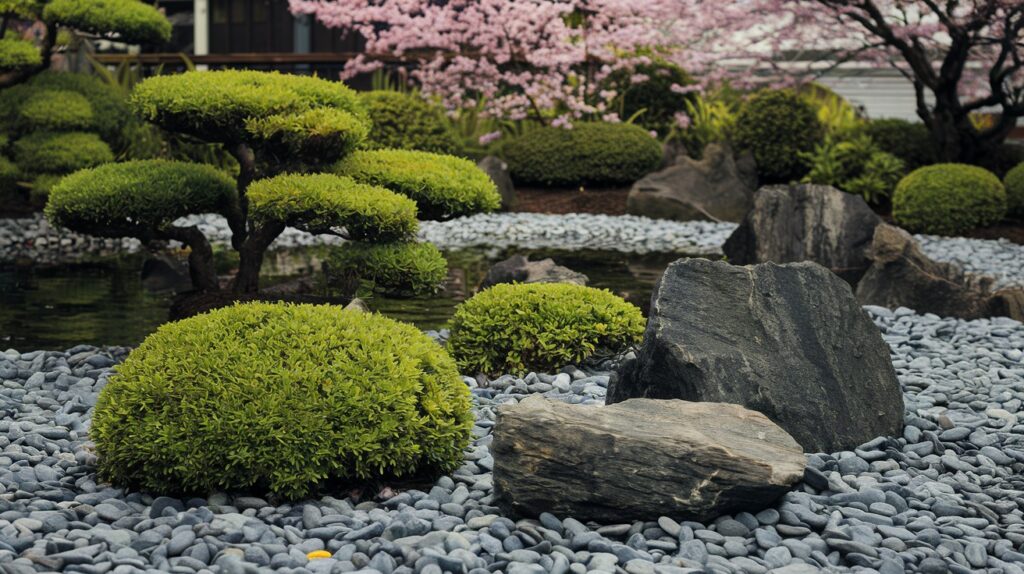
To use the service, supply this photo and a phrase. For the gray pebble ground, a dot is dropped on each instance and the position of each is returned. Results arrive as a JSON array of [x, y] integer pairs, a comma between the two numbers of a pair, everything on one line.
[[944, 497]]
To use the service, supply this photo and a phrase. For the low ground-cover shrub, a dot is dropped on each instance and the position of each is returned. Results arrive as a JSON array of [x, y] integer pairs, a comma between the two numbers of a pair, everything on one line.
[[1014, 183], [395, 269], [594, 153], [777, 126], [283, 398], [405, 121], [949, 198], [540, 326]]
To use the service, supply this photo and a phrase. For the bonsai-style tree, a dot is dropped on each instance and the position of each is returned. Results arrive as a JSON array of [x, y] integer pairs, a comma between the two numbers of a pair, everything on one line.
[[296, 140]]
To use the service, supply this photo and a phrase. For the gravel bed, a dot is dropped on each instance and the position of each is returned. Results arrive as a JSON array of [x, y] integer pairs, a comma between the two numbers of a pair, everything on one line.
[[1001, 258], [944, 497]]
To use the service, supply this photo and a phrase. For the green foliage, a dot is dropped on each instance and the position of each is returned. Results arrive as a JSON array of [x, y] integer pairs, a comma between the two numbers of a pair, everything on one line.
[[28, 9], [777, 126], [130, 21], [911, 142], [712, 120], [834, 112], [319, 202], [56, 110], [948, 199], [60, 152], [316, 135], [653, 103], [442, 186], [1014, 183], [217, 106], [405, 121], [16, 54], [395, 269], [540, 326], [856, 166], [594, 153], [8, 177], [285, 398], [119, 199]]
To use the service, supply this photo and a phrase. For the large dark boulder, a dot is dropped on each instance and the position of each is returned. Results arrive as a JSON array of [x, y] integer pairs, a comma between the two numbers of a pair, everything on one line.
[[717, 187], [805, 222], [639, 460], [498, 171], [901, 275], [519, 269], [789, 341]]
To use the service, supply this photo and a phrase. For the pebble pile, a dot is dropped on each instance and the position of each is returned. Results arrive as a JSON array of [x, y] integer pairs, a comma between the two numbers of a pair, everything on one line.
[[1001, 258], [946, 496]]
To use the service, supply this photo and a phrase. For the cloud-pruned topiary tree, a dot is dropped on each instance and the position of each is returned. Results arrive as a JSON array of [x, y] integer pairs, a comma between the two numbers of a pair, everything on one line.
[[295, 139]]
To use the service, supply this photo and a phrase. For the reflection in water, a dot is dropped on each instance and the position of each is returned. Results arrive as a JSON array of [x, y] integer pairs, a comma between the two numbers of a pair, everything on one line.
[[108, 302]]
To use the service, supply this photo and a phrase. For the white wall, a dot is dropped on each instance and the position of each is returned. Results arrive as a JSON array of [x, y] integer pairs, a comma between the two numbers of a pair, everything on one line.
[[881, 93]]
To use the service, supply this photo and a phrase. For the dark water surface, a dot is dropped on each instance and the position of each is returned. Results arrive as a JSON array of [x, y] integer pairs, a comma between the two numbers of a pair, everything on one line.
[[111, 301]]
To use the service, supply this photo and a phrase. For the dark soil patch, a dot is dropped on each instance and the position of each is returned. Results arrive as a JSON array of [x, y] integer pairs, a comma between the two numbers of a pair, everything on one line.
[[608, 201], [1009, 230]]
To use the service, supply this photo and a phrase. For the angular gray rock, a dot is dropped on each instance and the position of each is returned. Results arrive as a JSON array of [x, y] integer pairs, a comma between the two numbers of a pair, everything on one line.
[[519, 269], [718, 187], [805, 222], [498, 170], [789, 341], [639, 460], [901, 275]]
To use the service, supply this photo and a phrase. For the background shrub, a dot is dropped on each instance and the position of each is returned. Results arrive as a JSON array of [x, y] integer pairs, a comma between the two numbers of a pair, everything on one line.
[[406, 121], [283, 398], [594, 153], [60, 152], [856, 166], [401, 269], [540, 326], [136, 22], [651, 104], [908, 141], [1014, 184], [949, 198], [778, 126]]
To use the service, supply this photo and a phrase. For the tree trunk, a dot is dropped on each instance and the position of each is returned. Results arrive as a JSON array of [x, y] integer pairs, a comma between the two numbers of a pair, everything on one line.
[[200, 259], [251, 257]]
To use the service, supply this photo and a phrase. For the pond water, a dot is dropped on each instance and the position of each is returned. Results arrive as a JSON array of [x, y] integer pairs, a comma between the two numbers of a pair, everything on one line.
[[119, 300]]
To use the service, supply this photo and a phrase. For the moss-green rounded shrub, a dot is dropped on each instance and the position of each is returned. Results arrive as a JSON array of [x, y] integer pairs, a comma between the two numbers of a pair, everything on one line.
[[60, 152], [16, 54], [406, 121], [948, 198], [56, 110], [8, 176], [778, 127], [442, 186], [911, 142], [321, 201], [135, 22], [28, 9], [402, 269], [1014, 184], [144, 194], [653, 102], [594, 153], [318, 135], [285, 398], [217, 106], [540, 326], [109, 109]]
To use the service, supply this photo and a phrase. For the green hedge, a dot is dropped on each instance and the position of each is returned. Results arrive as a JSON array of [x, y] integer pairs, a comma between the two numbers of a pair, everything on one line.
[[442, 186], [109, 109], [1014, 184], [9, 175], [217, 106], [60, 152], [593, 153], [285, 398], [779, 128], [405, 121], [401, 269], [16, 54], [948, 199], [56, 110], [318, 202], [540, 326], [137, 195], [130, 21], [316, 136], [911, 142]]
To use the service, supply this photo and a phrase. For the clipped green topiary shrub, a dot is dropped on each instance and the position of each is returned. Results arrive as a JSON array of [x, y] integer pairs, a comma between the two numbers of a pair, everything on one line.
[[778, 127], [594, 153], [60, 152], [56, 110], [16, 54], [513, 328], [280, 397], [405, 121], [317, 133], [320, 201], [137, 194], [908, 141], [1014, 184], [442, 186], [402, 269], [135, 22], [109, 109], [948, 198], [8, 177], [652, 103]]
